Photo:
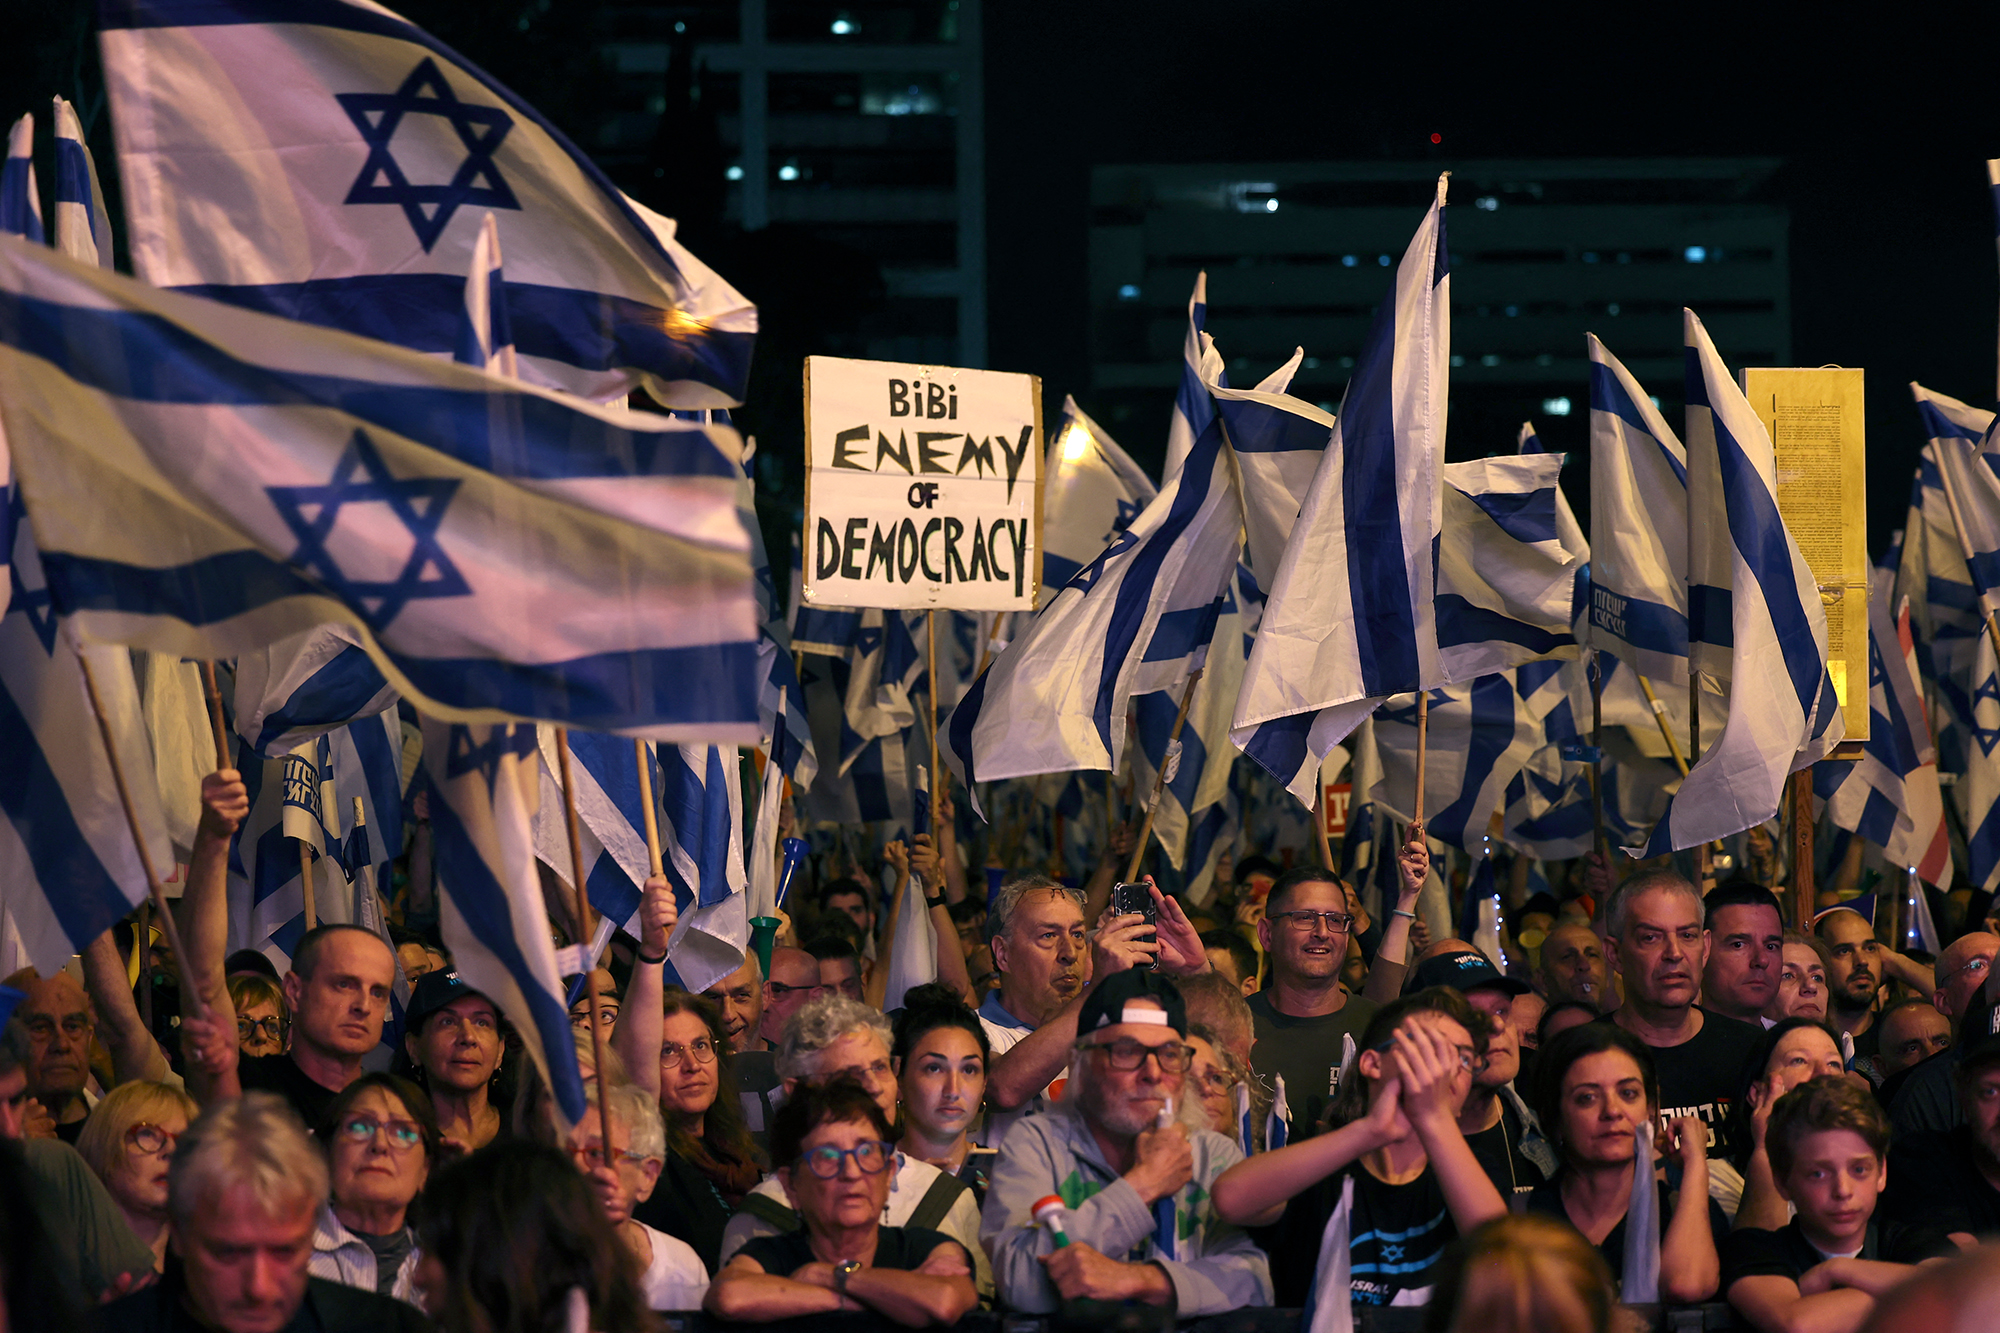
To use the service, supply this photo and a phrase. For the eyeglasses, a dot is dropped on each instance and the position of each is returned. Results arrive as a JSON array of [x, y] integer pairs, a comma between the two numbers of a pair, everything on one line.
[[871, 1158], [273, 1028], [403, 1135], [606, 1017], [76, 1027], [1215, 1083], [1126, 1055], [779, 990], [149, 1139], [1304, 921], [700, 1051], [591, 1156]]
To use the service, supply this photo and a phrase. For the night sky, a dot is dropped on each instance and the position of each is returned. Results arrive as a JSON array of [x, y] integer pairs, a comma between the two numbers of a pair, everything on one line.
[[1883, 122]]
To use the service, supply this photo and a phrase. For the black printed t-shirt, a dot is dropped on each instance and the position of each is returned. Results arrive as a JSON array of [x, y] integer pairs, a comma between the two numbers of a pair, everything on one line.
[[282, 1075], [1397, 1234], [1933, 1181], [1787, 1253], [1547, 1200], [1699, 1076], [1306, 1051]]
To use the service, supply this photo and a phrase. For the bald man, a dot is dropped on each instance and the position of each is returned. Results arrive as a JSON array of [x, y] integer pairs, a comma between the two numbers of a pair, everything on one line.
[[1572, 967]]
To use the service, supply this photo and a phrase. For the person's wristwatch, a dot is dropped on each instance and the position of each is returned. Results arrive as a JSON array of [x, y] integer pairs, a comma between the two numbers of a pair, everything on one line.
[[842, 1271]]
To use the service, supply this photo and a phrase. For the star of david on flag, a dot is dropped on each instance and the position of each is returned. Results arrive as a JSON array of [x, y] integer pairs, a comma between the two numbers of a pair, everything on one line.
[[332, 163], [382, 180], [416, 503]]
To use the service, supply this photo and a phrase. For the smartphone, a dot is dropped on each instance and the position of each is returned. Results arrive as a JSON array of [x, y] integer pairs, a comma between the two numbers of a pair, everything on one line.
[[1129, 898]]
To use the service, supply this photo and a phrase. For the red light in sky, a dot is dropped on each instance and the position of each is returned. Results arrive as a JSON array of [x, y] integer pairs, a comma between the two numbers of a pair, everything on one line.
[[1437, 138]]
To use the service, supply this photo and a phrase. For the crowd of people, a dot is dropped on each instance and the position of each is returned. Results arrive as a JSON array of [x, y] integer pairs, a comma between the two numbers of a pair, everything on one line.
[[1274, 1098]]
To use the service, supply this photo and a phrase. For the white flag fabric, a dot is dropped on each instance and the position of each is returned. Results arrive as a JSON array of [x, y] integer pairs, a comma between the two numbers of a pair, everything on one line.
[[1092, 493], [486, 329], [1279, 441], [1965, 458], [701, 834], [1762, 608], [1639, 517], [83, 228], [913, 961], [1978, 788], [205, 481], [1333, 1281], [1480, 736], [1639, 1279], [331, 164], [305, 684], [611, 820], [1127, 624], [1201, 366], [1348, 617], [482, 783], [20, 201], [1891, 796], [1507, 586]]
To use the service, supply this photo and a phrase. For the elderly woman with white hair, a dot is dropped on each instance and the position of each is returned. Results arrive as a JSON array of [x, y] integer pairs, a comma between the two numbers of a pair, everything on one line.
[[671, 1274], [835, 1035], [244, 1191]]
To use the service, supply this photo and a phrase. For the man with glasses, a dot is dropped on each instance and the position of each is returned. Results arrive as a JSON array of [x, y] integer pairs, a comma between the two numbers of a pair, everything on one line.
[[57, 1015], [1133, 1165], [1303, 1011], [835, 1035]]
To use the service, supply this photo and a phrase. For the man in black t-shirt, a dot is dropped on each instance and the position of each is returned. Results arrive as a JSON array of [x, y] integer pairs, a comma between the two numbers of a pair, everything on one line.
[[1950, 1179], [1654, 936]]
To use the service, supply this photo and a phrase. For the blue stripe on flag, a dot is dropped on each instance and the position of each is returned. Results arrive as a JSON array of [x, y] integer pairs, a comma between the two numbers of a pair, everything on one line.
[[1057, 571], [1938, 426], [594, 330], [1461, 622], [1759, 533], [73, 178], [1259, 428], [1648, 625], [334, 693], [1279, 745], [80, 892], [1878, 819], [1179, 633], [146, 358], [699, 681], [1608, 395], [1385, 632], [1709, 616], [1526, 516]]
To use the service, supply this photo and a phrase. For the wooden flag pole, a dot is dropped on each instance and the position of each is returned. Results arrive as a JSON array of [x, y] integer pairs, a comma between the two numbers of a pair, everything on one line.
[[583, 933], [653, 857], [1319, 825], [1423, 734], [145, 933], [1803, 894], [1705, 868], [1666, 732], [306, 882], [1597, 757], [1160, 776], [213, 693], [155, 891], [930, 649]]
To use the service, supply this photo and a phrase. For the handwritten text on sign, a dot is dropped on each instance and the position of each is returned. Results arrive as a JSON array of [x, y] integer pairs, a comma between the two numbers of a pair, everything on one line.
[[923, 487]]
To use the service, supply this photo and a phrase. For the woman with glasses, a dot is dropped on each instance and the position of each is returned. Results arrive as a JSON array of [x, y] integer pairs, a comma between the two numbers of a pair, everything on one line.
[[1416, 1184], [380, 1138], [711, 1162], [831, 1141], [1596, 1090], [129, 1141], [262, 1025], [1794, 1051], [940, 1055], [1212, 1078]]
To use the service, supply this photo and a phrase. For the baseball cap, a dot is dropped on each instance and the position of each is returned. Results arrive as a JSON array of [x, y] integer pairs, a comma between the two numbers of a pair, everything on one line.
[[1106, 1003], [1464, 970], [434, 990]]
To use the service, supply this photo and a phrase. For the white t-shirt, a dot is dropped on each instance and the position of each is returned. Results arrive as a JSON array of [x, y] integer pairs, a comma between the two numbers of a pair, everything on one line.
[[675, 1278]]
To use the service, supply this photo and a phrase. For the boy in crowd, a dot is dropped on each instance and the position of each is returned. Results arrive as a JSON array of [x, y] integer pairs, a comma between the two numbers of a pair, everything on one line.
[[1828, 1141]]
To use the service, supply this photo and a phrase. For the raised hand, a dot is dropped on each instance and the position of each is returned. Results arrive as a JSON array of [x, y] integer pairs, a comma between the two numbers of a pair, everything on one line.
[[1428, 1066], [923, 861], [658, 914], [225, 803], [1121, 942], [1413, 860], [897, 854], [1181, 951]]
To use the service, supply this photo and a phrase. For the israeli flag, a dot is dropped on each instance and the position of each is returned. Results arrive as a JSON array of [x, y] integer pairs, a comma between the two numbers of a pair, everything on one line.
[[1639, 1278], [782, 720], [1278, 1120], [1349, 618], [1978, 789], [1128, 623], [1331, 1307], [1507, 587], [1201, 367], [886, 664], [483, 791], [20, 201], [305, 685], [83, 228], [611, 820], [701, 833], [331, 165], [875, 785], [485, 329], [1279, 441], [1763, 608], [1092, 493], [1196, 763], [1480, 736], [1945, 612], [1891, 796], [1638, 514], [1966, 459], [205, 481], [68, 868], [1993, 184]]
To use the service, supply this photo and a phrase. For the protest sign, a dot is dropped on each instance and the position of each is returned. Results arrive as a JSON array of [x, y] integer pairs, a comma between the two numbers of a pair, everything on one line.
[[923, 486]]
